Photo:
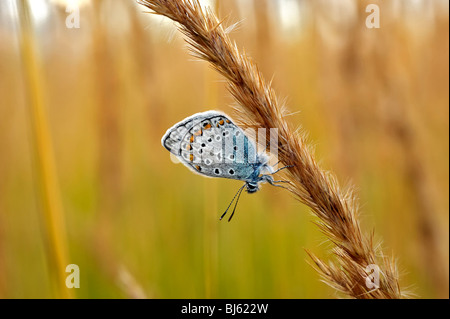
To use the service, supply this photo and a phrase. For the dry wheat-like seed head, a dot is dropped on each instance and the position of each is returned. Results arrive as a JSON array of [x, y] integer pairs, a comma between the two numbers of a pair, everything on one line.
[[259, 107]]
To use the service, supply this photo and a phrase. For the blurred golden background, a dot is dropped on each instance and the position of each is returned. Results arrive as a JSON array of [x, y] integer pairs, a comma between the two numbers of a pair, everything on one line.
[[84, 179]]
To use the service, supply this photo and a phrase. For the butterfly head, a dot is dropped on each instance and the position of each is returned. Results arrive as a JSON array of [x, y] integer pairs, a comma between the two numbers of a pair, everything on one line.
[[252, 187]]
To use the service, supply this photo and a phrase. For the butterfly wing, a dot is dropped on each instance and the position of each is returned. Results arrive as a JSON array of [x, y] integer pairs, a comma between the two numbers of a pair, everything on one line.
[[212, 145]]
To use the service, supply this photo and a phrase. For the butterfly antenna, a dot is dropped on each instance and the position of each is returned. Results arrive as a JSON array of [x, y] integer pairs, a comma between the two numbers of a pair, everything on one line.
[[238, 192], [235, 205]]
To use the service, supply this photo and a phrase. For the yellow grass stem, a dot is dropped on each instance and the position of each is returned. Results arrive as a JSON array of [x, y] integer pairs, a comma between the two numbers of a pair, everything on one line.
[[52, 212], [335, 207], [210, 240]]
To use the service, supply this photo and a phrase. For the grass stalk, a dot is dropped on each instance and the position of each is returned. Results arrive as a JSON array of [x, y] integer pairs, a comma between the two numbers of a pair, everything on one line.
[[335, 207], [52, 211]]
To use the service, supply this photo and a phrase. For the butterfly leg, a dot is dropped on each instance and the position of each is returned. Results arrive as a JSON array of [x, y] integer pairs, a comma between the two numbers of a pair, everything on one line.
[[273, 183], [287, 166], [280, 186]]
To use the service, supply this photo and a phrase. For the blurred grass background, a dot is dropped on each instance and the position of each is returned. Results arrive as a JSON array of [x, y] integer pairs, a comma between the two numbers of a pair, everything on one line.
[[375, 102]]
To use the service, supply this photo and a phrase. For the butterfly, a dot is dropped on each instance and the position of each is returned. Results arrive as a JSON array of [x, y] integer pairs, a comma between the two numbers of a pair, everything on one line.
[[210, 144]]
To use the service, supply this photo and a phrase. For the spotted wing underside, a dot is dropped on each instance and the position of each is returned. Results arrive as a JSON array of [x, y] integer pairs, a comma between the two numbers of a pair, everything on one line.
[[211, 144]]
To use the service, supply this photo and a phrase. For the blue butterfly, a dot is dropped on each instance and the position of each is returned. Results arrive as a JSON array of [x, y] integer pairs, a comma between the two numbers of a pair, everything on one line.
[[210, 144]]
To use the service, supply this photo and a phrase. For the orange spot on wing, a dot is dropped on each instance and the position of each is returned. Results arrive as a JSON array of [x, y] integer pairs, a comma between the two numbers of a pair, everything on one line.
[[228, 121], [199, 132], [192, 139], [191, 157], [207, 126], [221, 122], [197, 167]]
